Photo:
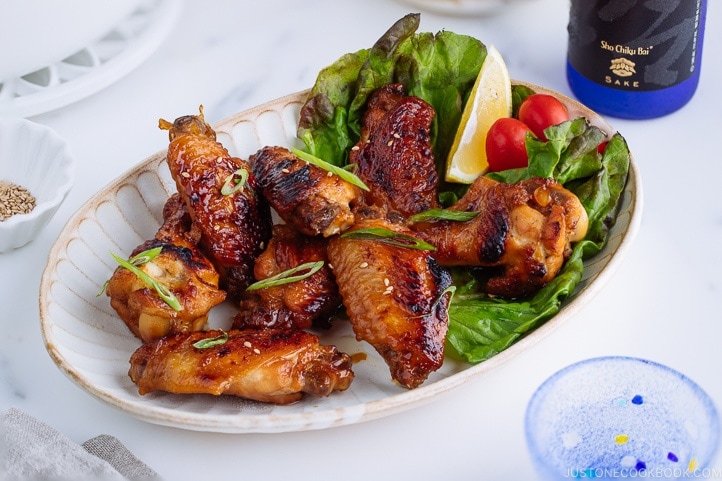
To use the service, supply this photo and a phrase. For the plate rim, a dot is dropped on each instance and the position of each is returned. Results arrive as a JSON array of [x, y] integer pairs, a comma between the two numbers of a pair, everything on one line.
[[336, 416]]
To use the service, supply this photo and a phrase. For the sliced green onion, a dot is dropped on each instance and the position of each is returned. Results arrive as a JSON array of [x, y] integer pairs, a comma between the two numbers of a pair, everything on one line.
[[211, 341], [229, 187], [389, 237], [162, 290], [287, 276], [451, 289], [138, 259], [145, 256], [443, 214], [448, 198], [341, 172]]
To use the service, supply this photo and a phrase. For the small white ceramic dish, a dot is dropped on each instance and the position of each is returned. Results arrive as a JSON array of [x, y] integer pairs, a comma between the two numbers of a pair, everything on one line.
[[621, 417], [92, 346], [37, 158]]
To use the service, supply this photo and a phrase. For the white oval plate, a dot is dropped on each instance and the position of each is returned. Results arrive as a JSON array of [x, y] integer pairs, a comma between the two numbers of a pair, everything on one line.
[[92, 346]]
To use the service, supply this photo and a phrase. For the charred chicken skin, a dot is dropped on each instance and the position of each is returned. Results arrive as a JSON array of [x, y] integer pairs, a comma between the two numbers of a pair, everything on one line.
[[524, 231], [296, 305], [234, 225], [307, 197], [396, 299], [394, 156], [181, 267], [267, 365]]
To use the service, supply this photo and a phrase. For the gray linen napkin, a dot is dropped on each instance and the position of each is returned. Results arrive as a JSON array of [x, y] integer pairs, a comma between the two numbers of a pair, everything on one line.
[[35, 451]]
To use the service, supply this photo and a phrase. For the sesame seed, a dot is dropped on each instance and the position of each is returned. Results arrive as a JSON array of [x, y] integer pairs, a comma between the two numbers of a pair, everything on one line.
[[285, 171], [247, 344], [390, 143], [256, 351], [185, 174], [216, 227], [329, 173], [386, 282], [330, 266], [397, 136], [364, 265], [14, 199], [355, 147]]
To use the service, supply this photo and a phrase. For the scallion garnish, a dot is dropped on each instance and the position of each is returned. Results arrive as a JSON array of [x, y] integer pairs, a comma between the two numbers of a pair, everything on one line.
[[211, 341], [448, 198], [390, 237], [138, 259], [451, 289], [229, 187], [287, 276], [164, 293], [443, 214], [145, 256], [343, 173]]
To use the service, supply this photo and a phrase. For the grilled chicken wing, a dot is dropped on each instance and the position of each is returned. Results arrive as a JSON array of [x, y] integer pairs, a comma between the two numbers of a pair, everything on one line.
[[394, 156], [305, 196], [181, 267], [524, 230], [395, 297], [296, 305], [234, 226], [267, 365]]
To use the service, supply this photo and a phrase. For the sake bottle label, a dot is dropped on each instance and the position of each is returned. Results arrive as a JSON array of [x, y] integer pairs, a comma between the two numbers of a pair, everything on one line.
[[634, 45]]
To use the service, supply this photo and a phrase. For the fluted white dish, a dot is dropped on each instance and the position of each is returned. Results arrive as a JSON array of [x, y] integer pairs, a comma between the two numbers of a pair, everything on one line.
[[37, 158], [92, 346]]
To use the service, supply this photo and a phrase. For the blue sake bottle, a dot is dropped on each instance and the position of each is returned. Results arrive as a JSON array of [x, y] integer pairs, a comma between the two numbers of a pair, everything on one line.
[[635, 59]]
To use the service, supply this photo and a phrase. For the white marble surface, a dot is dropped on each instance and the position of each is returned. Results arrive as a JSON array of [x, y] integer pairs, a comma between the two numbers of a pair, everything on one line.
[[663, 303]]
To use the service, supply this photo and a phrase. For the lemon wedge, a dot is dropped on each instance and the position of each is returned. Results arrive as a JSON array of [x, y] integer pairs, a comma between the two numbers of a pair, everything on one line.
[[489, 100]]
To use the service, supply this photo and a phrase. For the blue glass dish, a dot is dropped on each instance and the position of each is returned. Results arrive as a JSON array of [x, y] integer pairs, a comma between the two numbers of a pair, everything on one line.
[[621, 417]]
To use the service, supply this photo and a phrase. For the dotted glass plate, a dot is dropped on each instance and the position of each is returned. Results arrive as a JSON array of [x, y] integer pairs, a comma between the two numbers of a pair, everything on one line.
[[619, 417]]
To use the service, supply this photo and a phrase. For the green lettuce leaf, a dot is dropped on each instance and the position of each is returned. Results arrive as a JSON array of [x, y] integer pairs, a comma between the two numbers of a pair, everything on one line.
[[480, 326], [440, 68]]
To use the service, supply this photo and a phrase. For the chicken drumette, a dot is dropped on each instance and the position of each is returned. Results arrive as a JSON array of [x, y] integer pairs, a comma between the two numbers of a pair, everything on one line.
[[294, 305], [222, 198], [181, 267], [267, 365], [307, 197], [523, 231]]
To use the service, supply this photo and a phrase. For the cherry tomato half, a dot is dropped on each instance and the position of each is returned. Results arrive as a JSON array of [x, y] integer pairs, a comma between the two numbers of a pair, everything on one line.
[[602, 147], [506, 144], [539, 111]]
